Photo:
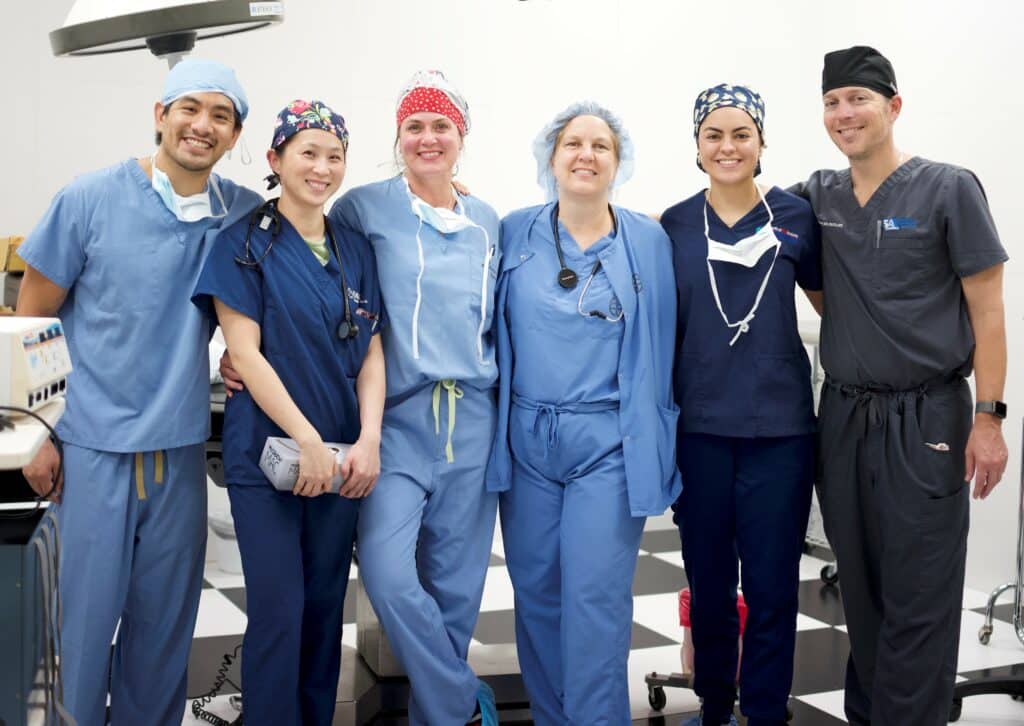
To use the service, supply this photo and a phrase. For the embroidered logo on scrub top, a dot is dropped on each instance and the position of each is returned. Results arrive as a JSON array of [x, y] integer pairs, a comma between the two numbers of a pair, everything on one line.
[[614, 307], [786, 232], [827, 223], [891, 224]]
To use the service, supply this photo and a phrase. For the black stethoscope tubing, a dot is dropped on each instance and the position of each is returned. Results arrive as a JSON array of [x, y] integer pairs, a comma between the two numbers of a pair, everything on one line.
[[567, 277], [267, 213]]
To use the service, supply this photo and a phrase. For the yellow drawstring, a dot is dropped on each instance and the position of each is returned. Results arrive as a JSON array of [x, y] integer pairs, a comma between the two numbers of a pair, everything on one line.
[[140, 486], [454, 393], [140, 471]]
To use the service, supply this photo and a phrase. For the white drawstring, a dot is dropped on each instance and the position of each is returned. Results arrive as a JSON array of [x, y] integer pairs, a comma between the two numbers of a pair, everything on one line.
[[419, 294]]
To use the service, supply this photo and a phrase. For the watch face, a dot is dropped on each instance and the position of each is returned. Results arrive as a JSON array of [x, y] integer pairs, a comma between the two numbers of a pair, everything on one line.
[[996, 408]]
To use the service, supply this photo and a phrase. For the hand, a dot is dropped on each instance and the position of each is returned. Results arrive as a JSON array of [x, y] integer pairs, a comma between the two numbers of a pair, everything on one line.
[[361, 468], [316, 470], [42, 471], [460, 188], [232, 381], [986, 455]]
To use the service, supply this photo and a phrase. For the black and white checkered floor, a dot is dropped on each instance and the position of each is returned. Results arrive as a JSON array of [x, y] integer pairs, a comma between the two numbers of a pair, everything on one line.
[[821, 645]]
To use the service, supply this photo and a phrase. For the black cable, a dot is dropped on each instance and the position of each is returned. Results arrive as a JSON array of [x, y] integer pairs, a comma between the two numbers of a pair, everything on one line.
[[40, 498], [221, 678]]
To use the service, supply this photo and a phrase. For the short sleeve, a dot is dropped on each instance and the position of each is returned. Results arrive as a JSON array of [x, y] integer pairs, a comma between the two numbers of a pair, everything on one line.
[[971, 234], [808, 269], [56, 246], [238, 286], [345, 212]]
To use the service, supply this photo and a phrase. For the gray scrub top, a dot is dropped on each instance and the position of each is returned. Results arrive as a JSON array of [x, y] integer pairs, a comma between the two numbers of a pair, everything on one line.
[[895, 313]]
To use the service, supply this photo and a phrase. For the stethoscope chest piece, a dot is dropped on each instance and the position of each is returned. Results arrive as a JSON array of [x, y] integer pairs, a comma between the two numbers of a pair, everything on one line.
[[347, 330], [567, 278]]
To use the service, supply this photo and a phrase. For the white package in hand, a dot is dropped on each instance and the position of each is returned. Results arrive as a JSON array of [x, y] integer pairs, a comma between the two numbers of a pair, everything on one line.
[[280, 462]]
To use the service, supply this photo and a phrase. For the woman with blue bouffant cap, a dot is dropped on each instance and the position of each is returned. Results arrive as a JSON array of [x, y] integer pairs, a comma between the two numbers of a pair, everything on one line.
[[584, 447], [743, 385]]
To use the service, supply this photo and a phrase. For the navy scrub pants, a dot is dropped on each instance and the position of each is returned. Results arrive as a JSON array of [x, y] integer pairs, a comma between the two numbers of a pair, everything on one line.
[[744, 500], [296, 553], [896, 514]]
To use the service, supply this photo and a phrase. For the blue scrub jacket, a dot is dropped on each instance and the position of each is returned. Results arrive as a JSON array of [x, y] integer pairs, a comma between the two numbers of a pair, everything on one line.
[[641, 274]]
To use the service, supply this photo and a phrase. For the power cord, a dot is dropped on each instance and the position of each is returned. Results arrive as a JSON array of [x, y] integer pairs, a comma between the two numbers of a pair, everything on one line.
[[221, 678], [5, 423]]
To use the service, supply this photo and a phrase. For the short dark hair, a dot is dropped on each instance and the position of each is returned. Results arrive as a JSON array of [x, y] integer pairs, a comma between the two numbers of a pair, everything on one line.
[[158, 137]]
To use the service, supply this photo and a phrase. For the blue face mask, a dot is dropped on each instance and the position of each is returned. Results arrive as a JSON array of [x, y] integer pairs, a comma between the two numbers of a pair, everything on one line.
[[185, 209]]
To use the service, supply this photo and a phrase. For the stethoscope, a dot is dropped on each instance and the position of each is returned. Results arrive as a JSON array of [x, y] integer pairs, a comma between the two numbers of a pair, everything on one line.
[[567, 276], [269, 219]]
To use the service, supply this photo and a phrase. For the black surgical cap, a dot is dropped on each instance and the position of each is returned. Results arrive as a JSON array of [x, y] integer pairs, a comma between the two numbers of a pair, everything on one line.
[[858, 66]]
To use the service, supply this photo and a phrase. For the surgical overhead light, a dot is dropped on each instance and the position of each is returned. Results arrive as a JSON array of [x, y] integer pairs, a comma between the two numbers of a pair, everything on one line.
[[169, 28]]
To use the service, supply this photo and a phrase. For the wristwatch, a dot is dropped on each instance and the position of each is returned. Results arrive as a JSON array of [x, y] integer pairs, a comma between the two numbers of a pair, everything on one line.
[[996, 408]]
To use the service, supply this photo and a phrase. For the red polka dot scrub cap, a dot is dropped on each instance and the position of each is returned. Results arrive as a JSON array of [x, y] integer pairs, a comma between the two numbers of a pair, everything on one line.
[[431, 91]]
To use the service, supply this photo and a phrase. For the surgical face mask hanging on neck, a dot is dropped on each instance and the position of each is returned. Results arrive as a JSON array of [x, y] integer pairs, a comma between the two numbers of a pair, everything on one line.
[[186, 209], [745, 252], [446, 221]]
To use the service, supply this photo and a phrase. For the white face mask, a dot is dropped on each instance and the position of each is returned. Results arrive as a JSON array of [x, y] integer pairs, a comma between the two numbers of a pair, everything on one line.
[[446, 221], [746, 252], [186, 209]]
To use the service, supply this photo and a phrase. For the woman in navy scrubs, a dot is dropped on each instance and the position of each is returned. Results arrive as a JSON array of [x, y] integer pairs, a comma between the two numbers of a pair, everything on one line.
[[298, 301], [743, 384]]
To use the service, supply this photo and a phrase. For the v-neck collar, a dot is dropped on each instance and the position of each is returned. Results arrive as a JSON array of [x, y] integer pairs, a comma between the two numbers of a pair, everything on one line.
[[739, 223], [326, 276], [882, 192]]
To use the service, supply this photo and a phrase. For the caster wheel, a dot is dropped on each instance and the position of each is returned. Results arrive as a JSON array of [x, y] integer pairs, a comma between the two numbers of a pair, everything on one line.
[[657, 698], [829, 574], [985, 634], [956, 709]]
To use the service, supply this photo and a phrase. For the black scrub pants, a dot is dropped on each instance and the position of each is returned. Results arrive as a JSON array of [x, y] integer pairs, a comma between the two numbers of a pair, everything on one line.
[[895, 507]]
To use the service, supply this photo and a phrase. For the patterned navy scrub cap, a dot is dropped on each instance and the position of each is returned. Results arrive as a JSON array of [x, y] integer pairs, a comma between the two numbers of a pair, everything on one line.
[[300, 115], [727, 94]]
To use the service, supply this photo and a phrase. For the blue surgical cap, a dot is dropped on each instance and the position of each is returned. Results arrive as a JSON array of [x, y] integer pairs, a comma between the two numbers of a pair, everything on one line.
[[194, 75], [544, 145]]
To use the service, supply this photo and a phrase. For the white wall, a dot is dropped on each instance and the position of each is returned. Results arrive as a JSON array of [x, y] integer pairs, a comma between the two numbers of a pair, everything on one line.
[[958, 66]]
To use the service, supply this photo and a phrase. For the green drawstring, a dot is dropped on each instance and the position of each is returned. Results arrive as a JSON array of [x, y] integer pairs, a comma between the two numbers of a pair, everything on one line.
[[454, 393]]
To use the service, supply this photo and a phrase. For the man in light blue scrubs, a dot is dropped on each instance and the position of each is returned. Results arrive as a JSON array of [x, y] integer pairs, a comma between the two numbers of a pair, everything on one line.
[[116, 257]]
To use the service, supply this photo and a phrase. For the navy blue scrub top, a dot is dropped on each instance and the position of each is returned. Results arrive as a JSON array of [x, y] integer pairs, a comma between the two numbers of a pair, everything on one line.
[[298, 305], [760, 386]]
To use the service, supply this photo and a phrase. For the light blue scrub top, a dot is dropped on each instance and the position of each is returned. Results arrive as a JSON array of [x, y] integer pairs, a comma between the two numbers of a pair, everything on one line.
[[562, 356], [638, 264], [138, 346], [452, 288]]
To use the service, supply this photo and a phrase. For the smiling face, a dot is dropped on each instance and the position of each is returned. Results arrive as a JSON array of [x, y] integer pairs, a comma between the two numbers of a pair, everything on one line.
[[311, 166], [196, 130], [429, 144], [859, 120], [729, 146], [585, 158]]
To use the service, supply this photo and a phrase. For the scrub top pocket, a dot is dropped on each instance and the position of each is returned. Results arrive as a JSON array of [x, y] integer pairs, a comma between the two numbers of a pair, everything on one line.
[[898, 255]]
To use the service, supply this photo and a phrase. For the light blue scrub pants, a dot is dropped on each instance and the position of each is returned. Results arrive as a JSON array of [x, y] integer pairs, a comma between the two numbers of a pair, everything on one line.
[[571, 547], [131, 548], [424, 543]]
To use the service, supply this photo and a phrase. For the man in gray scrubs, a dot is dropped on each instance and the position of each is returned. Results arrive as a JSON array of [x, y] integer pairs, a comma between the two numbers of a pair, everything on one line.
[[913, 273]]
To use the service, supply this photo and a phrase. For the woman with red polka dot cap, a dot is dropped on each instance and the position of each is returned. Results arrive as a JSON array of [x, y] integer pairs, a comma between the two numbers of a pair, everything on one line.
[[424, 533]]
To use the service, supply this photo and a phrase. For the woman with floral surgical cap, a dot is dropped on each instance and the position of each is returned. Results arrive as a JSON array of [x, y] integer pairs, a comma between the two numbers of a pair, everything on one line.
[[425, 532], [586, 425], [743, 385], [297, 299]]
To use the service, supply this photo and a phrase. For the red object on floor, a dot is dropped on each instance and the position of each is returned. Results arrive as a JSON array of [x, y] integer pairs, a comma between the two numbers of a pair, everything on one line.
[[684, 609]]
